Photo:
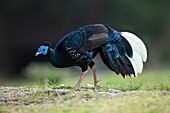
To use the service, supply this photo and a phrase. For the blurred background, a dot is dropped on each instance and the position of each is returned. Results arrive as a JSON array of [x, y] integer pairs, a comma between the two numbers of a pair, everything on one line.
[[26, 24]]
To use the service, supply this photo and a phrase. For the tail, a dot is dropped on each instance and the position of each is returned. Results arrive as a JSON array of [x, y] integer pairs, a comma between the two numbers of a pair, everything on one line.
[[139, 51], [124, 56]]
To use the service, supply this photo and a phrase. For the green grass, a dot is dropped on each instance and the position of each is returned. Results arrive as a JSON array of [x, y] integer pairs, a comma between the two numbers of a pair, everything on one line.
[[130, 103], [44, 75], [157, 80], [146, 81], [154, 81]]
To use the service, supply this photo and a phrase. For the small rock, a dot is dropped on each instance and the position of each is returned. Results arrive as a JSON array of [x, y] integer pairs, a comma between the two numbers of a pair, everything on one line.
[[82, 101], [114, 91], [90, 86], [61, 85]]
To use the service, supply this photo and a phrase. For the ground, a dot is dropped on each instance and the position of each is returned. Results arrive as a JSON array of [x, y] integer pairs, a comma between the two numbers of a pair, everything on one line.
[[28, 100], [148, 92]]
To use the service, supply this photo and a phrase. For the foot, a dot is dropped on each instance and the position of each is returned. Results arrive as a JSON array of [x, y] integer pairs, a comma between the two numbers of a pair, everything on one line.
[[76, 89], [96, 85]]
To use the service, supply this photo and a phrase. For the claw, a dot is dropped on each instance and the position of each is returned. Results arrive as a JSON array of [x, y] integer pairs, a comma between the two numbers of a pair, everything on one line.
[[95, 89], [96, 85], [76, 89], [98, 81]]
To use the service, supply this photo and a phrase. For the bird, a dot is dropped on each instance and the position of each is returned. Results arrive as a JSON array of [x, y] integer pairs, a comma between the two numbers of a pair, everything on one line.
[[122, 52]]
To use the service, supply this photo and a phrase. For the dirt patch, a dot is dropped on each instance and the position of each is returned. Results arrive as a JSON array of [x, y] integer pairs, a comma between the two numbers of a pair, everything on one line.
[[38, 96]]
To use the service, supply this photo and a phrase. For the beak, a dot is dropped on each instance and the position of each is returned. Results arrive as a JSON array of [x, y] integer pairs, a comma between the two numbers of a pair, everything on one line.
[[38, 53]]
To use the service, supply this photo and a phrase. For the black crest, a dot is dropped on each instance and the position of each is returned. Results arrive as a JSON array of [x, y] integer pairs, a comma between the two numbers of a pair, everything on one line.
[[47, 44]]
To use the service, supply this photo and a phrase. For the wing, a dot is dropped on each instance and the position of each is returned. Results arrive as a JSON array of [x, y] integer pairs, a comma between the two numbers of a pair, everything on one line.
[[96, 36], [85, 38]]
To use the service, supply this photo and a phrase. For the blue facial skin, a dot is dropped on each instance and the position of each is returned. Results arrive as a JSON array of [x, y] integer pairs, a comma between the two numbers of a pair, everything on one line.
[[43, 49]]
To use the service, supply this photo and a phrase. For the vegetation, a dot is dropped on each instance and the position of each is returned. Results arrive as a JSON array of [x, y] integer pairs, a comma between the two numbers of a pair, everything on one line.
[[44, 75], [149, 92], [146, 81], [129, 103]]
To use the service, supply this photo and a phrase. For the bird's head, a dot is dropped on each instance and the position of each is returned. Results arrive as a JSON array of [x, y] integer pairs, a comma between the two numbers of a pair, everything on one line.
[[43, 49]]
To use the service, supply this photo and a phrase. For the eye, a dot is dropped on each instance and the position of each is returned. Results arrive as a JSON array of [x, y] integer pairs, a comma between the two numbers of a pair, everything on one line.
[[43, 49]]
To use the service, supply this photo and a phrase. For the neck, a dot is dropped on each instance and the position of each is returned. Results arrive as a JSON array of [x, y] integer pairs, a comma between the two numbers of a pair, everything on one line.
[[53, 56]]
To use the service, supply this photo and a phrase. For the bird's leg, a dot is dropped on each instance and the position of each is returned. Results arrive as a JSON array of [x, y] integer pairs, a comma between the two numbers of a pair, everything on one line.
[[81, 78], [95, 78]]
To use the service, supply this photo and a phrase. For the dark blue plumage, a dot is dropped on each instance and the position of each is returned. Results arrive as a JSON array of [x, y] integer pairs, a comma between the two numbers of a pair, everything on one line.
[[79, 47]]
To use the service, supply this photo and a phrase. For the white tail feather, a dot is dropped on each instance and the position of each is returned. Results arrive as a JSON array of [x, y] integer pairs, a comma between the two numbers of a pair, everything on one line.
[[139, 51], [137, 63]]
